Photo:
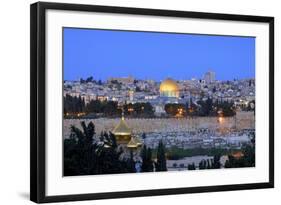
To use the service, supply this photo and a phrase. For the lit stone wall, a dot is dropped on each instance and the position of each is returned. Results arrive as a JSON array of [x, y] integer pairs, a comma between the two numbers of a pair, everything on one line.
[[243, 120]]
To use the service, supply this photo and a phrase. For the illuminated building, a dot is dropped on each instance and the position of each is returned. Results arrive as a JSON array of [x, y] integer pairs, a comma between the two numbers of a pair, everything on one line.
[[169, 88]]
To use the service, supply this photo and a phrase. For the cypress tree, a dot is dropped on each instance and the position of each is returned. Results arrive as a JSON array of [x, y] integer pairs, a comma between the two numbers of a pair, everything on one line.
[[216, 163], [208, 164], [147, 163], [160, 165], [191, 166], [203, 164]]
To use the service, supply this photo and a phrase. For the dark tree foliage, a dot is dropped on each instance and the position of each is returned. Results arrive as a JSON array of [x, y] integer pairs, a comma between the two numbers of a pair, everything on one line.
[[99, 82], [247, 159], [206, 108], [147, 163], [90, 79], [106, 108], [202, 108], [131, 163], [82, 80], [110, 108], [139, 110], [210, 108], [87, 80], [160, 165], [73, 104], [94, 106], [84, 156], [208, 164], [216, 162], [109, 161], [191, 166], [227, 108], [203, 164], [173, 108], [192, 110], [79, 151]]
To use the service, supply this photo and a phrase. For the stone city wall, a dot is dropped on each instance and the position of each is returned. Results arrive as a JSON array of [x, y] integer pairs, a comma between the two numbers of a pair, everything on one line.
[[243, 120]]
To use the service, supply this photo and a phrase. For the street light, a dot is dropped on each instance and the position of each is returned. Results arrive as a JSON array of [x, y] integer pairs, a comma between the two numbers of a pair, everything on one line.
[[179, 112], [220, 118]]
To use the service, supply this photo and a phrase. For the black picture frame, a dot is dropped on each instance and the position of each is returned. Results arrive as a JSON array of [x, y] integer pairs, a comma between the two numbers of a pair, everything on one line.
[[38, 100]]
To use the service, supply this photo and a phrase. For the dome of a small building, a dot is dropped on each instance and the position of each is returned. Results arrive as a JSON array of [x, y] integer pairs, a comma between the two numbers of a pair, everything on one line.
[[132, 143], [122, 132]]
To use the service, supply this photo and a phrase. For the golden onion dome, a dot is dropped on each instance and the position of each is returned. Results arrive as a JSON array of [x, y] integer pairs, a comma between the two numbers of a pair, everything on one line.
[[132, 143], [169, 85], [122, 129]]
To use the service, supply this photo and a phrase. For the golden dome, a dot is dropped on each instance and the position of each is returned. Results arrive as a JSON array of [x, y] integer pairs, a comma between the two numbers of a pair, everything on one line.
[[122, 129], [132, 144], [169, 85], [169, 88]]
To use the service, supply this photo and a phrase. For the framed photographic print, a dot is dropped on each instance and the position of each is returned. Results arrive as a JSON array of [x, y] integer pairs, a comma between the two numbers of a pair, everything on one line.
[[129, 102]]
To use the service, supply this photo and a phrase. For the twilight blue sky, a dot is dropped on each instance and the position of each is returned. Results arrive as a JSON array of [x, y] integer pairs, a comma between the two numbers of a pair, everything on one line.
[[147, 55]]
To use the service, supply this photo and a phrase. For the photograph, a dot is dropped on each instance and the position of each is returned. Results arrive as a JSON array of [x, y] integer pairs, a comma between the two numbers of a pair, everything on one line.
[[134, 102], [144, 101]]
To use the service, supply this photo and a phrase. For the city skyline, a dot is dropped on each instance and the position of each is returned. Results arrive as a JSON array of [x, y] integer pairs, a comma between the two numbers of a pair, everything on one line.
[[156, 81], [155, 56]]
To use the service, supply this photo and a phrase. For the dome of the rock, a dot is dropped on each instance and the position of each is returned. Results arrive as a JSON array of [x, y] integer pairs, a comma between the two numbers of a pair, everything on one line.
[[169, 88]]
